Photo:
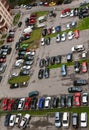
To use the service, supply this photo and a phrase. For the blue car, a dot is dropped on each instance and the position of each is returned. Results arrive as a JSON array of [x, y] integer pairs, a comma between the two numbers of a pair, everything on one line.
[[63, 70], [58, 28], [41, 103]]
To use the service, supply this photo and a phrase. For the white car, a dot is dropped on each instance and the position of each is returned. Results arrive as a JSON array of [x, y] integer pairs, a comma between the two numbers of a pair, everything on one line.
[[18, 117], [53, 30], [63, 37], [70, 35], [15, 74], [21, 104], [27, 67], [73, 24], [12, 120], [71, 13], [65, 121], [58, 119], [84, 54], [24, 121], [68, 26], [85, 99], [19, 62], [58, 38], [42, 41], [47, 102], [63, 15], [83, 120], [77, 48]]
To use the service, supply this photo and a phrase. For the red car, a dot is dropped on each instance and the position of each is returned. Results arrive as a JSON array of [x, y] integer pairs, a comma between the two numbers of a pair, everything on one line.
[[10, 104], [2, 60], [27, 103], [76, 34], [84, 67], [46, 4], [5, 103], [32, 21], [77, 97], [67, 10], [10, 39]]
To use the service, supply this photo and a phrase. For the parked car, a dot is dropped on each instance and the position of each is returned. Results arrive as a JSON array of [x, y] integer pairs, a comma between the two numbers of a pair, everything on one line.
[[75, 120], [5, 103], [34, 103], [27, 103], [47, 61], [46, 72], [80, 82], [15, 105], [63, 37], [77, 99], [15, 85], [65, 121], [74, 89], [12, 120], [21, 103], [52, 60], [24, 121], [10, 104], [77, 67], [55, 102], [7, 118], [83, 120], [41, 103], [69, 101], [58, 59], [47, 102], [70, 35], [76, 34], [84, 54], [63, 101], [84, 67], [58, 38], [47, 41], [42, 63], [69, 57], [18, 118], [33, 93], [85, 99], [42, 41], [20, 24], [24, 72], [64, 70], [78, 48], [58, 119], [40, 73]]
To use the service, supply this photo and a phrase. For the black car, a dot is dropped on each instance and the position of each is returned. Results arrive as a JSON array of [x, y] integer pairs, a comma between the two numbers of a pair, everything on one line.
[[69, 57], [15, 105], [74, 89], [76, 11], [47, 41], [42, 63], [20, 24], [29, 57], [46, 72], [9, 50], [15, 85], [80, 82], [63, 101], [7, 118], [69, 101], [75, 120], [33, 94], [52, 60], [17, 45], [0, 78], [77, 67], [55, 102], [47, 61], [40, 73], [44, 32], [34, 103], [57, 59]]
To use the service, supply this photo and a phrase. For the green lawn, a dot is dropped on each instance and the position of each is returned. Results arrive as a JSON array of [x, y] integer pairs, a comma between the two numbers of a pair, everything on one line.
[[1, 42], [18, 79], [3, 36], [16, 18], [41, 13], [66, 63], [34, 39]]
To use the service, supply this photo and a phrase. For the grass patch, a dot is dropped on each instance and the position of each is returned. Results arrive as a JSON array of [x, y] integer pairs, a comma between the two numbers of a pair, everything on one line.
[[33, 42], [16, 18], [67, 64], [1, 42], [18, 79], [41, 13], [3, 36]]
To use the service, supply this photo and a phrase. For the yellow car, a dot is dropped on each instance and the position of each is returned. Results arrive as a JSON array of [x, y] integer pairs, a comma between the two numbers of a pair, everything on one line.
[[52, 4]]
